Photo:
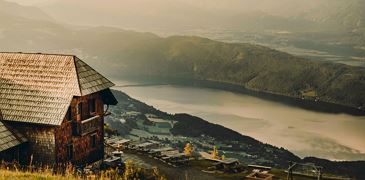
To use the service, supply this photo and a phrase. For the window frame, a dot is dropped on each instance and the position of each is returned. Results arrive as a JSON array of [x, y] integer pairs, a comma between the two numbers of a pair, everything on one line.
[[69, 151], [69, 114], [79, 108], [93, 141], [92, 103]]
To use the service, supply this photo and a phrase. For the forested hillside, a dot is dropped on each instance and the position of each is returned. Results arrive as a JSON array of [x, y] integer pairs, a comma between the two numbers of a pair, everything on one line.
[[250, 66]]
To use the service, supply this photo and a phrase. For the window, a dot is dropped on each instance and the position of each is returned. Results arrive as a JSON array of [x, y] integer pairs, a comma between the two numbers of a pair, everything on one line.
[[69, 114], [69, 151], [92, 106], [93, 141], [79, 109]]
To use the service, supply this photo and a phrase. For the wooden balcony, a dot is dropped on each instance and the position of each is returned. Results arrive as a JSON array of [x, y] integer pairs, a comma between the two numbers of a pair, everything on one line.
[[86, 126]]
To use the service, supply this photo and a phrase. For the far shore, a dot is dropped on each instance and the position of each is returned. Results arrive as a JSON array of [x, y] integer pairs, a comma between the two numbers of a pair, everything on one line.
[[305, 103]]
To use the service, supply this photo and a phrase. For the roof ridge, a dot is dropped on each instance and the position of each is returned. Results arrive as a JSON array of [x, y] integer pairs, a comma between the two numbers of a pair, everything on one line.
[[77, 74], [39, 53]]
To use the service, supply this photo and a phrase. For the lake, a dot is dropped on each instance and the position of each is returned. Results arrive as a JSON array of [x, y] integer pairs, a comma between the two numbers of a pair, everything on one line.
[[302, 131]]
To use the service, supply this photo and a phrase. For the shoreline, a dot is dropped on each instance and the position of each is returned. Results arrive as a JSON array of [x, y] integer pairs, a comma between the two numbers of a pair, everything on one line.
[[335, 166], [304, 103], [240, 128]]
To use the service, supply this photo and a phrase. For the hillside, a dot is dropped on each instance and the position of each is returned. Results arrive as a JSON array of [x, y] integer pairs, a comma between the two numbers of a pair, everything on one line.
[[8, 174], [121, 53], [259, 153], [28, 12], [250, 66], [341, 22], [344, 15], [177, 15], [131, 171]]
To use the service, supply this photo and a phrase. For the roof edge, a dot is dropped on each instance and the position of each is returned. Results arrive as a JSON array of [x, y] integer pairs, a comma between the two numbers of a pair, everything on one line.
[[39, 53], [15, 133], [34, 123], [78, 78], [77, 75]]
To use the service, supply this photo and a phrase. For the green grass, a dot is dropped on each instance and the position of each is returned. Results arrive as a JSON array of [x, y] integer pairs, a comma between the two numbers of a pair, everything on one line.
[[132, 171]]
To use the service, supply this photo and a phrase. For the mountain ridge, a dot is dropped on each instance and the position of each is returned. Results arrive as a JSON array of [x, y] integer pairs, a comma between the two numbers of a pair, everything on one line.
[[253, 67], [347, 15], [28, 12], [118, 53]]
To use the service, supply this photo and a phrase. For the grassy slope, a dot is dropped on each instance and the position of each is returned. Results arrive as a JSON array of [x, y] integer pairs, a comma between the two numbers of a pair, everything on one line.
[[8, 174]]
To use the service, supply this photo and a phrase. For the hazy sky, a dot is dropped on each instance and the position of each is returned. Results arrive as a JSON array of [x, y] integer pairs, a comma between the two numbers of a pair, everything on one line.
[[30, 2], [117, 12]]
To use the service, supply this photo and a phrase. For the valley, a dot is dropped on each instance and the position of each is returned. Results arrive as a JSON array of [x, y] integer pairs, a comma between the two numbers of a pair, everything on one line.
[[267, 82], [306, 132], [204, 135]]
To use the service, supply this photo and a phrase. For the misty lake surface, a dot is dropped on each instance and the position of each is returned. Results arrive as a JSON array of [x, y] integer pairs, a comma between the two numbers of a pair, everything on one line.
[[304, 132]]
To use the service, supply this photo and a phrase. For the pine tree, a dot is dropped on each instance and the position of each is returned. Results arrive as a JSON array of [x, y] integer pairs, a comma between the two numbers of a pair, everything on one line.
[[129, 170], [157, 175], [215, 154], [188, 149]]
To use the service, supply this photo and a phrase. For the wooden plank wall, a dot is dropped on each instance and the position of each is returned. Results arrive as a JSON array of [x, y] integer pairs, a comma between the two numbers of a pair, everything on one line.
[[41, 142], [83, 152]]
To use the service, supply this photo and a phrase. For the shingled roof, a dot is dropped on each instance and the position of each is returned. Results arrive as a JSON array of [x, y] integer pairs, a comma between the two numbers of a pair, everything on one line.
[[9, 137], [38, 88]]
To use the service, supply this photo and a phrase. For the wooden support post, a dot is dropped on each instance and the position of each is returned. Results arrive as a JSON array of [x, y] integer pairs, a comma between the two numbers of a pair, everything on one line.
[[320, 174], [288, 176], [18, 154], [290, 171]]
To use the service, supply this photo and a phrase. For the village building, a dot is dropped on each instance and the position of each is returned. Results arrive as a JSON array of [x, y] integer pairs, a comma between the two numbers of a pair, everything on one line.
[[228, 165], [146, 146], [52, 109], [117, 142], [159, 151], [176, 159], [259, 176]]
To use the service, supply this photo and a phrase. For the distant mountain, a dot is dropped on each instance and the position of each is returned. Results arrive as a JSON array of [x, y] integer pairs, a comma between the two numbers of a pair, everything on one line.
[[135, 14], [119, 53], [259, 21], [178, 15], [344, 15], [122, 53], [250, 66], [24, 28], [28, 12]]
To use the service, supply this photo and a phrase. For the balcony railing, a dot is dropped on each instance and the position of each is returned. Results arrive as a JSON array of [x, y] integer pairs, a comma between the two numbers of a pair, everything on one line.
[[86, 126]]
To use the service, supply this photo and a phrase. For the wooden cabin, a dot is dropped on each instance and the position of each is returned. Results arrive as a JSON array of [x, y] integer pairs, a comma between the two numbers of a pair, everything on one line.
[[52, 109]]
